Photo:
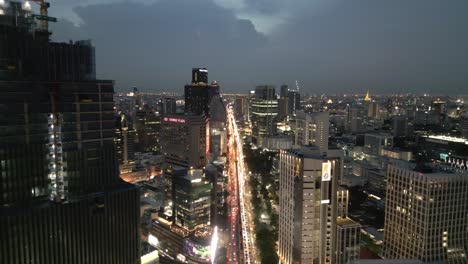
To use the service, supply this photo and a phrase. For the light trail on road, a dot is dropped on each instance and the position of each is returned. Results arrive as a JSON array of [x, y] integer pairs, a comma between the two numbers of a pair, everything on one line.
[[243, 189]]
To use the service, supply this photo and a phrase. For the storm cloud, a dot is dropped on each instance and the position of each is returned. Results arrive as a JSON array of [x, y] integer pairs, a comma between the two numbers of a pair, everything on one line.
[[327, 45]]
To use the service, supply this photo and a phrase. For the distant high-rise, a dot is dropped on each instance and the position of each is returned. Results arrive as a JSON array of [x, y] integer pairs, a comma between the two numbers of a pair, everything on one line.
[[425, 213], [147, 126], [402, 126], [62, 200], [263, 110], [294, 102], [167, 106], [312, 129], [199, 93], [124, 141], [308, 205], [199, 75]]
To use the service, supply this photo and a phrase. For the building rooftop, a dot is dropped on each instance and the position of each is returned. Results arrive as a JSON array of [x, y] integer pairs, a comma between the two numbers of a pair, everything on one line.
[[442, 138], [347, 222]]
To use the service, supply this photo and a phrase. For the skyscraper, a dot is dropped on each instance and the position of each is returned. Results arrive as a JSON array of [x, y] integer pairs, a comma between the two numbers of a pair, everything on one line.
[[312, 129], [425, 213], [308, 205], [184, 140], [199, 93], [167, 106], [62, 200], [263, 110]]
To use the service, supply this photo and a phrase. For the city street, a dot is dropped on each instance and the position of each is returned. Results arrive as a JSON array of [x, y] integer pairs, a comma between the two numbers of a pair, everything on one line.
[[240, 199]]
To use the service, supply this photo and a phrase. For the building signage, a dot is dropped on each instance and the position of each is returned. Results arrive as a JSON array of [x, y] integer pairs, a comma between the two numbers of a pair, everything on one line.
[[326, 171], [174, 120]]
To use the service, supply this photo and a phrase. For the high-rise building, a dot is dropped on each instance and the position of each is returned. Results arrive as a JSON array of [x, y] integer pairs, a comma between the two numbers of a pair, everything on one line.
[[402, 126], [199, 93], [312, 129], [308, 205], [263, 110], [167, 106], [192, 200], [354, 120], [62, 200], [425, 213], [373, 110], [294, 102], [148, 128], [124, 140], [184, 140]]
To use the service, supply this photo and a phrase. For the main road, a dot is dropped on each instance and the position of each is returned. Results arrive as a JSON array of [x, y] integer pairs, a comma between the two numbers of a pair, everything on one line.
[[240, 201]]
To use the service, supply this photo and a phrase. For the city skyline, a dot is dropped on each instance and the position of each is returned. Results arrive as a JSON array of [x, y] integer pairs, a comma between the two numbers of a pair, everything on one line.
[[339, 46]]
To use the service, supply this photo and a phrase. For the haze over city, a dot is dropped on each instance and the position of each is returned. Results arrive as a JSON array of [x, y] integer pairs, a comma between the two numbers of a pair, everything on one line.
[[233, 132], [333, 46]]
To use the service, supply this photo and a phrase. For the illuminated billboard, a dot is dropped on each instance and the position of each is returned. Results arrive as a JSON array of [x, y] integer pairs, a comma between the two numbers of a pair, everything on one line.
[[174, 120], [326, 171]]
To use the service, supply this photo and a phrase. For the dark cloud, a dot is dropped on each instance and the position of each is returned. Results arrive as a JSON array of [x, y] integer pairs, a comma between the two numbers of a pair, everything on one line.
[[328, 45]]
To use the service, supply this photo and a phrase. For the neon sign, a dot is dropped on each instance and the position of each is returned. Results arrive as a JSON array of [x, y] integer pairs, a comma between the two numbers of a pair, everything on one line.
[[174, 120]]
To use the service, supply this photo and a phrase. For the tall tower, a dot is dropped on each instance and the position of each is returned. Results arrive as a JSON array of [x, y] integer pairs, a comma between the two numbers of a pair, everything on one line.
[[199, 93], [308, 205], [62, 200]]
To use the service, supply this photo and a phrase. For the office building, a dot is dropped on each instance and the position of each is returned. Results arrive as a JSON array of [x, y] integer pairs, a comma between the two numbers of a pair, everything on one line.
[[184, 140], [373, 110], [312, 129], [167, 106], [374, 143], [308, 205], [347, 241], [354, 120], [263, 111], [148, 128], [425, 213], [199, 93], [192, 200], [401, 126], [62, 200]]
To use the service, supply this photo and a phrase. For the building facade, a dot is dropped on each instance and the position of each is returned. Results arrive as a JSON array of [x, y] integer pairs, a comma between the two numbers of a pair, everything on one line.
[[425, 215], [312, 129], [62, 200], [308, 206]]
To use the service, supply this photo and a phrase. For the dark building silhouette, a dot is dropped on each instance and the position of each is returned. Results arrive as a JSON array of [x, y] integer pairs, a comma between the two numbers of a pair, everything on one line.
[[61, 198], [199, 93]]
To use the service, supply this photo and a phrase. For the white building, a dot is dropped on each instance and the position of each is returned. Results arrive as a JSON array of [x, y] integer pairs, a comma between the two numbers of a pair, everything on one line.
[[312, 129], [426, 211], [308, 205]]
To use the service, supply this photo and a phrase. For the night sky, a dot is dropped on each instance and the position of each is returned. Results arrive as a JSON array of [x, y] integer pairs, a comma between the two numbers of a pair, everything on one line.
[[333, 46]]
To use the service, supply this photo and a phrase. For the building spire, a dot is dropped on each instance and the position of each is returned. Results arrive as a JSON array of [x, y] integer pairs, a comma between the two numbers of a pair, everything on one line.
[[367, 98]]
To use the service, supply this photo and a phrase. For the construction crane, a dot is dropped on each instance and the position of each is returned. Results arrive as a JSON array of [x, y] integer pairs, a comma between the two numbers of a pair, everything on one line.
[[297, 86], [43, 16]]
